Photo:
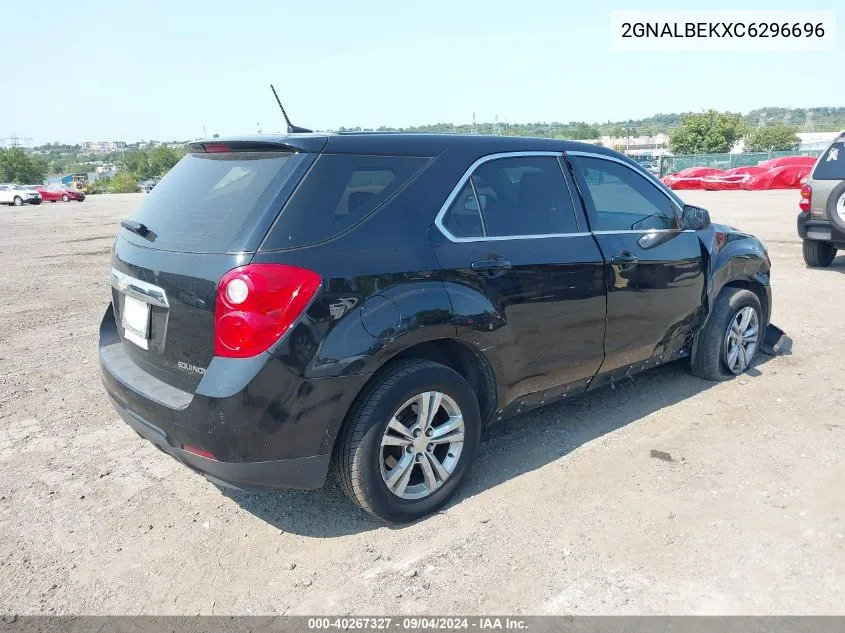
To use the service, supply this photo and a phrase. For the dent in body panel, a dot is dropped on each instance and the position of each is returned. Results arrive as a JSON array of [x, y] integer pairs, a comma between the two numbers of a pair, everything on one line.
[[654, 305]]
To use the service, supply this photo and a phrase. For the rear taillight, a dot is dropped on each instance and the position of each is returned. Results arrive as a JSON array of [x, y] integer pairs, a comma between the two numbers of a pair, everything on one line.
[[256, 304], [806, 198]]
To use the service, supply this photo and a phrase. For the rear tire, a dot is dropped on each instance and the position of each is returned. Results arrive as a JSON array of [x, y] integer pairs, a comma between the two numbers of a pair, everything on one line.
[[712, 358], [18, 201], [368, 456], [65, 198], [818, 254]]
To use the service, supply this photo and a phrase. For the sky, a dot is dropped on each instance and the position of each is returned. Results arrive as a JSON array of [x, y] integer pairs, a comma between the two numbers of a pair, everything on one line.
[[183, 69]]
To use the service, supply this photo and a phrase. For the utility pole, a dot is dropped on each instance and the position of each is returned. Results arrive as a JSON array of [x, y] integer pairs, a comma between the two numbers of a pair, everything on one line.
[[808, 123], [16, 141], [473, 130], [786, 117]]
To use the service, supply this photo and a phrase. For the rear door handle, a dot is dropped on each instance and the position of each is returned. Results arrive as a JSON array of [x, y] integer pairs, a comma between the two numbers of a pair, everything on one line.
[[625, 260], [491, 265]]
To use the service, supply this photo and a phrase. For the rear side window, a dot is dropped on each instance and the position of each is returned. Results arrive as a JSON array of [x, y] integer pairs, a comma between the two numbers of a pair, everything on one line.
[[339, 191], [201, 204], [513, 197], [831, 165]]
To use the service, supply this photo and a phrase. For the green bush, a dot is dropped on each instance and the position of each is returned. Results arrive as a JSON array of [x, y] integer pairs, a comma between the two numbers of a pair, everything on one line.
[[101, 185], [123, 183]]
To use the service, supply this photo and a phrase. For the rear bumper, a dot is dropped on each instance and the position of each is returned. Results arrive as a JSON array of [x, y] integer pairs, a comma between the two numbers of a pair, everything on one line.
[[265, 425], [819, 230], [302, 472]]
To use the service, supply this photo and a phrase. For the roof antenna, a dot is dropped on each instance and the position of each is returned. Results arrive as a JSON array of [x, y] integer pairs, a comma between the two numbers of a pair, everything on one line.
[[292, 129]]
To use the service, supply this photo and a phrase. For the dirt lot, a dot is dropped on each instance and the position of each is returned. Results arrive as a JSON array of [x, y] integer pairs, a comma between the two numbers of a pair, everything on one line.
[[565, 511]]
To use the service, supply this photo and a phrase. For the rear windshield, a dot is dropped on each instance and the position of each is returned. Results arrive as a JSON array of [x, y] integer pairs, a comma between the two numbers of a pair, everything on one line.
[[339, 191], [831, 165], [202, 203]]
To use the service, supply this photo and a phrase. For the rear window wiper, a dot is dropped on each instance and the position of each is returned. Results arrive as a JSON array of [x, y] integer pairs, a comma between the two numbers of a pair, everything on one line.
[[135, 227]]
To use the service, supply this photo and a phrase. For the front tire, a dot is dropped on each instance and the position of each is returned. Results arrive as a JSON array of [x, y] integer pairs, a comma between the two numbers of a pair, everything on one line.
[[818, 254], [65, 198], [18, 201], [729, 341], [409, 441]]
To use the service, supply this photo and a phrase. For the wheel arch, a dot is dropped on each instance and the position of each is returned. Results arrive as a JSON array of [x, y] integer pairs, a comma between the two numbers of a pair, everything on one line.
[[471, 364], [757, 283]]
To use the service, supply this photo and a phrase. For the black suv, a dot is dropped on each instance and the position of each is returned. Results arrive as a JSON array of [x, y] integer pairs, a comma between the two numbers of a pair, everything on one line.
[[370, 302]]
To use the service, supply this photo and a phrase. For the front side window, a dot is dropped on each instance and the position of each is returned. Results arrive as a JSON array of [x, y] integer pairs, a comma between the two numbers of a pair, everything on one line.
[[620, 199], [513, 197]]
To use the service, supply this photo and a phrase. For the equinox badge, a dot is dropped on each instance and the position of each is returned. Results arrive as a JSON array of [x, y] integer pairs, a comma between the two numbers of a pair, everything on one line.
[[199, 370]]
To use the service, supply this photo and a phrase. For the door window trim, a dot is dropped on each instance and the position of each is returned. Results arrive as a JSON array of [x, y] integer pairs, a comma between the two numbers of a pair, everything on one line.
[[438, 220]]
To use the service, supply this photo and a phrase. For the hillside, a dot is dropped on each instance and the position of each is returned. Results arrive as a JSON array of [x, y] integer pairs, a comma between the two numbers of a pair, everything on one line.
[[825, 119]]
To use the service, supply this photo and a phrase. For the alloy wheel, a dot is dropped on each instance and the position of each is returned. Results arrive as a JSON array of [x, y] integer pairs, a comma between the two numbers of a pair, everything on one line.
[[741, 339], [422, 444]]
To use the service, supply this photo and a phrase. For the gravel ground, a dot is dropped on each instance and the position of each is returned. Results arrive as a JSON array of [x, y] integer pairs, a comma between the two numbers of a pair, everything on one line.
[[565, 511]]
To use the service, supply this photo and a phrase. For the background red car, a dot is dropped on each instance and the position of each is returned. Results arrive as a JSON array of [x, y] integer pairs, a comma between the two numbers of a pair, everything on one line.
[[48, 194], [55, 193], [73, 194]]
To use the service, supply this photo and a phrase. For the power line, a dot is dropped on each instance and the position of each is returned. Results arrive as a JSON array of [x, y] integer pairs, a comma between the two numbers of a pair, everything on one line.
[[16, 141]]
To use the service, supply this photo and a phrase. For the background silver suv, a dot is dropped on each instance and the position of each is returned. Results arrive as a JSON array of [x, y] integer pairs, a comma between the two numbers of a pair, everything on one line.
[[821, 223]]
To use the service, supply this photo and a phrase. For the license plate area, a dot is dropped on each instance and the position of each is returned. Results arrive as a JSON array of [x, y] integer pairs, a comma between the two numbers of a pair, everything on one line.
[[818, 234], [136, 321]]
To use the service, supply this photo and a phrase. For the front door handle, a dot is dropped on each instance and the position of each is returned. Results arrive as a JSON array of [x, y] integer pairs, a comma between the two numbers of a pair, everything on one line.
[[492, 265], [625, 260]]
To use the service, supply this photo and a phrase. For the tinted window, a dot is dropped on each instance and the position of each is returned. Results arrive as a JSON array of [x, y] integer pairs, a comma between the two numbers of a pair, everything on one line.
[[620, 199], [524, 195], [831, 165], [463, 219], [339, 191], [204, 200]]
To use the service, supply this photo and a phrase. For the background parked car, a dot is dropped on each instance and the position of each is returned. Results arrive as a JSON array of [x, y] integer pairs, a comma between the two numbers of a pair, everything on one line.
[[821, 223], [73, 194], [50, 194], [18, 194], [148, 185]]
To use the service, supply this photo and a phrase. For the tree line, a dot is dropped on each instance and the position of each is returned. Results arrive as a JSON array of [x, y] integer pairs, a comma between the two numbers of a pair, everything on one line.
[[713, 132], [690, 133], [20, 166]]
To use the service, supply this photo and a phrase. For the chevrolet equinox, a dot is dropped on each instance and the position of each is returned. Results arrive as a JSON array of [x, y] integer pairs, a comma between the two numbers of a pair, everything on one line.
[[283, 306]]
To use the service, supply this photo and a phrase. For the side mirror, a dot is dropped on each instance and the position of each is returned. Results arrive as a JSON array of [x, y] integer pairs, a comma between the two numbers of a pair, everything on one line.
[[694, 218]]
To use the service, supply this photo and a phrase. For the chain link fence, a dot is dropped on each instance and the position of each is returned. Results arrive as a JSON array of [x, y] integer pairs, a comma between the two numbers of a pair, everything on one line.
[[674, 164]]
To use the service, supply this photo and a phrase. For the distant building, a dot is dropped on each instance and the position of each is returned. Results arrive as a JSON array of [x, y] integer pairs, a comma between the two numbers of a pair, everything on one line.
[[816, 140], [102, 147], [657, 145]]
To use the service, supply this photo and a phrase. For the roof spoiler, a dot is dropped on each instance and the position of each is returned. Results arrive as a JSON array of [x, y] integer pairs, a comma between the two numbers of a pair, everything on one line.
[[221, 147]]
